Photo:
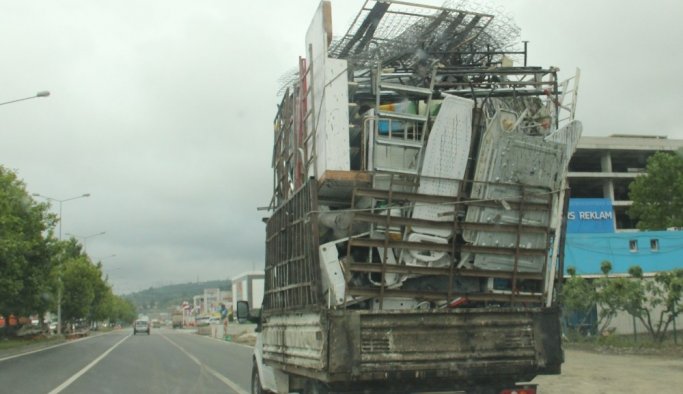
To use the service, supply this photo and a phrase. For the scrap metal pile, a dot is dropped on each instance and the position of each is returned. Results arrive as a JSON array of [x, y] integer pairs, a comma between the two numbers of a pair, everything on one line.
[[466, 156], [400, 33]]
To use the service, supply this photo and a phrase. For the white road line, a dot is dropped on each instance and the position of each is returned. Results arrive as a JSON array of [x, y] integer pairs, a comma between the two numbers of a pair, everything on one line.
[[193, 358], [212, 371], [225, 380], [85, 369], [52, 347]]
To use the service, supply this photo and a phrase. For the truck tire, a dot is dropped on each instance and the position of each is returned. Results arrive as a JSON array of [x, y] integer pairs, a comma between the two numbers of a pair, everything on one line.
[[315, 387], [256, 381]]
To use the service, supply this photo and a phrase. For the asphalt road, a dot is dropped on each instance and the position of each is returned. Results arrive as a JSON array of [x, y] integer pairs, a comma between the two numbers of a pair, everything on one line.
[[166, 361], [178, 361]]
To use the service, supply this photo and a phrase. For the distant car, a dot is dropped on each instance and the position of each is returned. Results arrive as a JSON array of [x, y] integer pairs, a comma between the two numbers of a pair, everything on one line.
[[214, 320], [141, 326], [202, 321]]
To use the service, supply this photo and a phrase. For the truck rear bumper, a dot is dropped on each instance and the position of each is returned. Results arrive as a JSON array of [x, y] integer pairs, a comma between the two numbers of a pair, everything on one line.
[[440, 347]]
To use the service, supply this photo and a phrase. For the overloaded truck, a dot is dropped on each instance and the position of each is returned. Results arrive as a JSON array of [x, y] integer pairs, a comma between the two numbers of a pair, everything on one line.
[[418, 210], [177, 318]]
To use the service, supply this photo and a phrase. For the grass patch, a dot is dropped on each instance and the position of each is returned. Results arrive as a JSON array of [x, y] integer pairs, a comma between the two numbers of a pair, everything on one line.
[[20, 343], [628, 344]]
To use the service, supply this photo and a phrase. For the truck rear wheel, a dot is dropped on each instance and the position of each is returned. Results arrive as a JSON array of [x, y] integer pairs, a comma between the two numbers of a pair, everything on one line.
[[256, 381], [315, 387]]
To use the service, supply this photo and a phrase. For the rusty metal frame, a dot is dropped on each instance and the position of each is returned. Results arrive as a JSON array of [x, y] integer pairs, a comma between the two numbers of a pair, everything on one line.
[[392, 197], [292, 269], [368, 27]]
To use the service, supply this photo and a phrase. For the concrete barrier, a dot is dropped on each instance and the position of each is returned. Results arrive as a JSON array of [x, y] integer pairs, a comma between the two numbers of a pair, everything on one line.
[[204, 330], [241, 333]]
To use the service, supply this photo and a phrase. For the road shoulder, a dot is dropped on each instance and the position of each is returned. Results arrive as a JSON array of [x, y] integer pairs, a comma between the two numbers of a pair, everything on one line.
[[49, 343]]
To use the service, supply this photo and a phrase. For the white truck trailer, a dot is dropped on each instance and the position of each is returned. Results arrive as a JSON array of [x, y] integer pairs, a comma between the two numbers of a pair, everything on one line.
[[248, 286]]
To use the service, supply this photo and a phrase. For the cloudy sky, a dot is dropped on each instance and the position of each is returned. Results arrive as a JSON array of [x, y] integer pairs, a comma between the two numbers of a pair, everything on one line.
[[162, 111]]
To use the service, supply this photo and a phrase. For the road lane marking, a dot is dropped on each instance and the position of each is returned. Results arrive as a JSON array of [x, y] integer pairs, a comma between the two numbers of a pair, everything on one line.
[[53, 346], [225, 380], [85, 369], [212, 371], [193, 358]]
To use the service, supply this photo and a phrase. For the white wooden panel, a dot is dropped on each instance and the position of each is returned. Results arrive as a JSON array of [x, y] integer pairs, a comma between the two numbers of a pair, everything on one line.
[[445, 159], [336, 106], [316, 54], [329, 85]]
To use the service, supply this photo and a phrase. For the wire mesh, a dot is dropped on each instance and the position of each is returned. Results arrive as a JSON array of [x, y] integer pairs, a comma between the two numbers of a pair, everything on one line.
[[411, 34]]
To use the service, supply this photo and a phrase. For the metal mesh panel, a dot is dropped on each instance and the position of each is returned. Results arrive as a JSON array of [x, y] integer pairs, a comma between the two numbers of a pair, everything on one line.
[[397, 31], [292, 270]]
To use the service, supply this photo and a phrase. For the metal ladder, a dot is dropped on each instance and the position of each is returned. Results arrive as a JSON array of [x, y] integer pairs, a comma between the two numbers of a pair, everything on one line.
[[408, 143], [405, 147], [399, 151]]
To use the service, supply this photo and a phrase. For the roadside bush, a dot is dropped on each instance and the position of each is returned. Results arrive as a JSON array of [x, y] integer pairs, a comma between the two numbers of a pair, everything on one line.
[[636, 295]]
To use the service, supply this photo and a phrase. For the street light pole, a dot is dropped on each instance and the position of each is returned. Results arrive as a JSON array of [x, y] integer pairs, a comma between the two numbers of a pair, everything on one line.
[[85, 238], [60, 206], [59, 289], [105, 257], [43, 93]]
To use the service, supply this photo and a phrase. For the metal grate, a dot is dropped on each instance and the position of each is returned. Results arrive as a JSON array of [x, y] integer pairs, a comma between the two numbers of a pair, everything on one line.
[[292, 270], [375, 345], [394, 31], [528, 204]]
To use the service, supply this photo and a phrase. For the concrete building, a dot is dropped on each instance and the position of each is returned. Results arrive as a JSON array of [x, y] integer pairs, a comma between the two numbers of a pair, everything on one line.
[[226, 297], [599, 227], [198, 304], [653, 251], [598, 224], [212, 300], [603, 167]]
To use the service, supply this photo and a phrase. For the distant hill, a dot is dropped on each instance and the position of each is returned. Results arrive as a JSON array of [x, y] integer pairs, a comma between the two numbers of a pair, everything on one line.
[[161, 299]]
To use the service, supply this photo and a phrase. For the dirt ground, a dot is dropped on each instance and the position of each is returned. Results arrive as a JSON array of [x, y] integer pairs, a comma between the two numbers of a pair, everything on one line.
[[593, 373]]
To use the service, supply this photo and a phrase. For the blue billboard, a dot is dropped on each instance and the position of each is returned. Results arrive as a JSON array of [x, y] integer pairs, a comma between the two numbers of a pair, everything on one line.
[[590, 215]]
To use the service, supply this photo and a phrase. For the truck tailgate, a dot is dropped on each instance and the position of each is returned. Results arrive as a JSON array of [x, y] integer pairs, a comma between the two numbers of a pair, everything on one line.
[[472, 344]]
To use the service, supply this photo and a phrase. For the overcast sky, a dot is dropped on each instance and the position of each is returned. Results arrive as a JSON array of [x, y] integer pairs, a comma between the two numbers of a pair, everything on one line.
[[163, 110]]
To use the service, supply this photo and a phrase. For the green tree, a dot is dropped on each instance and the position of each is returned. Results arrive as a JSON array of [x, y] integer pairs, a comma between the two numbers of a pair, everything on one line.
[[25, 259], [655, 302], [578, 296], [658, 195], [101, 308], [123, 310], [62, 251], [608, 296], [79, 279], [646, 295], [86, 293]]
